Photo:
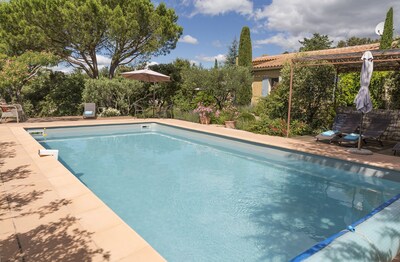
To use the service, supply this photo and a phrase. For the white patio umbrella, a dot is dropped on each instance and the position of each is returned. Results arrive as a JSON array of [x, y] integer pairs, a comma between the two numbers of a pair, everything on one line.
[[147, 75], [363, 99]]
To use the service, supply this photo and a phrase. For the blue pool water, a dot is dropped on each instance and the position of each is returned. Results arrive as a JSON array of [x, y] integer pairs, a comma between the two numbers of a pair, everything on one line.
[[197, 197]]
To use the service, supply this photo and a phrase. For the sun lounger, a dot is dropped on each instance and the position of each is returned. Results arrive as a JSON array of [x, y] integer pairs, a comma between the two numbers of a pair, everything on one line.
[[396, 148], [374, 131], [90, 110], [343, 124], [12, 111], [138, 109]]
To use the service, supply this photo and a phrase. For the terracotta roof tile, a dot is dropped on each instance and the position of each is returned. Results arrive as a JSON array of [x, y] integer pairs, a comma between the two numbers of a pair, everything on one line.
[[277, 61]]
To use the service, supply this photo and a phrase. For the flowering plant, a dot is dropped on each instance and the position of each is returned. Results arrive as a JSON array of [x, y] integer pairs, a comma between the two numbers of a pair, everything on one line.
[[203, 110], [229, 111]]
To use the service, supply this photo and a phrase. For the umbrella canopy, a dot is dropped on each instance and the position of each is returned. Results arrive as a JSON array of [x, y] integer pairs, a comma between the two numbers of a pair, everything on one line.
[[363, 99], [146, 75]]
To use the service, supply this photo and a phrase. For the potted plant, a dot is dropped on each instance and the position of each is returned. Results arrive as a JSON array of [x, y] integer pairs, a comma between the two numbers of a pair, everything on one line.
[[229, 114], [204, 113]]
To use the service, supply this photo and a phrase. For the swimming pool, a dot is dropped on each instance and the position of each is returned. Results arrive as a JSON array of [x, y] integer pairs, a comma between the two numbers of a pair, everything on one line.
[[199, 197]]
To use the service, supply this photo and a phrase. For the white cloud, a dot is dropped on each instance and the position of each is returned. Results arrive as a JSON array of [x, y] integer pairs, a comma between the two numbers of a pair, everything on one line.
[[189, 40], [217, 7], [292, 20], [288, 42], [151, 63], [62, 67], [219, 57], [217, 44], [103, 61]]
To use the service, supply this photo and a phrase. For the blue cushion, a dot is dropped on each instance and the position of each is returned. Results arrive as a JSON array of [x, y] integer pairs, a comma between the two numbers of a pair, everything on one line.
[[88, 113], [328, 133], [352, 137]]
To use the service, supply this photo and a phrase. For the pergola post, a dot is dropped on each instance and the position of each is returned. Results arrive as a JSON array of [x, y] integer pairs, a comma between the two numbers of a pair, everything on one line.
[[290, 98], [335, 87]]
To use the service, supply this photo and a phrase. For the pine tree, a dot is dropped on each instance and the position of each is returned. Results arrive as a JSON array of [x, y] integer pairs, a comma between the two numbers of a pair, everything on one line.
[[387, 36], [245, 51], [232, 53], [316, 42]]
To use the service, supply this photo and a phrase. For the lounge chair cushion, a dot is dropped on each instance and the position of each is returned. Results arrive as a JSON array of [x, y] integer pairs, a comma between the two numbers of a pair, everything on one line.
[[329, 133], [5, 109], [351, 137]]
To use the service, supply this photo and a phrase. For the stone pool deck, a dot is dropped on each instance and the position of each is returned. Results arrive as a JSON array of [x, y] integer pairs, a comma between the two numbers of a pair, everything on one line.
[[46, 214]]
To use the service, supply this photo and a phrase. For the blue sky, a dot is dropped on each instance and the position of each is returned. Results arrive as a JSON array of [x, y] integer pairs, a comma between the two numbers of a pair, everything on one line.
[[276, 25]]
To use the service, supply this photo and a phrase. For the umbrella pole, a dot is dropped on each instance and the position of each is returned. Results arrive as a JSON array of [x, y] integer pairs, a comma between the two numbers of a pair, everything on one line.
[[360, 136], [154, 101]]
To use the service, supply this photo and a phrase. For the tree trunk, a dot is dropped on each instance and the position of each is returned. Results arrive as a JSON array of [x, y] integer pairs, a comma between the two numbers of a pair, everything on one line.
[[18, 95], [111, 72]]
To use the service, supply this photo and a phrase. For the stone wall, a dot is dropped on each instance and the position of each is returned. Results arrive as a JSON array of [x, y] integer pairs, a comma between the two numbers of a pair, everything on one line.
[[393, 130]]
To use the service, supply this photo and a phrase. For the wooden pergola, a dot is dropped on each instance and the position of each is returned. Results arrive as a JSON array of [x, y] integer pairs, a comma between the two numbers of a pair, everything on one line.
[[384, 60]]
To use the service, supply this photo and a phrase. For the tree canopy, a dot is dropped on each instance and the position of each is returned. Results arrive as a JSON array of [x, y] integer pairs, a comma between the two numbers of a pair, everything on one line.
[[214, 86], [17, 71], [353, 41], [78, 31], [316, 42]]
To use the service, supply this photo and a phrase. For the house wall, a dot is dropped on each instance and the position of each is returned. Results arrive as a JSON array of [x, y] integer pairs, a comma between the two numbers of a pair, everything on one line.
[[257, 82]]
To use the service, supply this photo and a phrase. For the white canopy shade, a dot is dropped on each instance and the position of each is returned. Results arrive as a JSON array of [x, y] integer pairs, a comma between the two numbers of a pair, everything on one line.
[[146, 75]]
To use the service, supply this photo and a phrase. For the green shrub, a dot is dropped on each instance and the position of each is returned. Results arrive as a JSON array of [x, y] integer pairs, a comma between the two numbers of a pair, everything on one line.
[[312, 98], [245, 120], [299, 128], [278, 127], [117, 93], [267, 126], [246, 117], [186, 115], [54, 94], [110, 112]]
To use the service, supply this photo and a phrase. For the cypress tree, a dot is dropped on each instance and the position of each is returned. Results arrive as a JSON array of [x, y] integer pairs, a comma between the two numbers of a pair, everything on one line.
[[244, 93], [387, 36], [245, 52], [216, 63]]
